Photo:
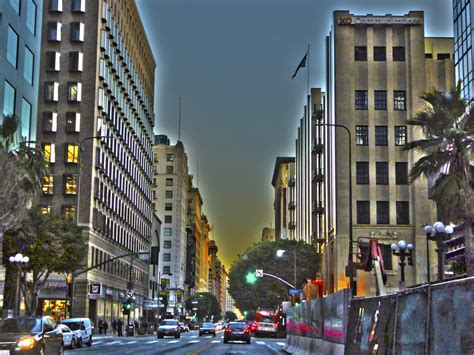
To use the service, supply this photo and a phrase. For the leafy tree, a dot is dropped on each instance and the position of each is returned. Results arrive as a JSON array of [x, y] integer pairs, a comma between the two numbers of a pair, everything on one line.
[[230, 316], [267, 292], [53, 245], [447, 122], [207, 305]]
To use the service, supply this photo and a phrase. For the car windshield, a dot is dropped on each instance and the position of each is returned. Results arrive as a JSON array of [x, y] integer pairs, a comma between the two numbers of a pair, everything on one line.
[[266, 320], [208, 325], [73, 325], [237, 326], [20, 325], [169, 322], [64, 328]]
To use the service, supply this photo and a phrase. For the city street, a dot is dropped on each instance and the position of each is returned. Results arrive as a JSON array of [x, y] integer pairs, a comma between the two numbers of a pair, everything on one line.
[[189, 343]]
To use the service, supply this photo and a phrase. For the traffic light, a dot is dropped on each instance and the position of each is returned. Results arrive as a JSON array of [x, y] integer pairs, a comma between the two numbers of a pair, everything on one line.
[[250, 278], [126, 308]]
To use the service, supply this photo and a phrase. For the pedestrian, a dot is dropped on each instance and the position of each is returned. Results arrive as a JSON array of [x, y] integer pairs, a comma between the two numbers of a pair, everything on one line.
[[114, 326], [106, 326], [135, 323], [120, 328], [101, 326]]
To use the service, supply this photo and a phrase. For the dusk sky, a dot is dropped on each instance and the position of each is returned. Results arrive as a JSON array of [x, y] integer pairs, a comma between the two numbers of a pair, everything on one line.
[[231, 61]]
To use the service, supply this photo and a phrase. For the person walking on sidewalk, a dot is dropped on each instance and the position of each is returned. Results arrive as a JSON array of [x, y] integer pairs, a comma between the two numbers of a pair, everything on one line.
[[101, 326], [120, 328], [114, 326], [106, 326]]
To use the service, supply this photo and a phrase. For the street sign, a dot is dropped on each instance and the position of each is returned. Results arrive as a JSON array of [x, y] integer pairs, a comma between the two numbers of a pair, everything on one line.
[[259, 273], [95, 289], [294, 291]]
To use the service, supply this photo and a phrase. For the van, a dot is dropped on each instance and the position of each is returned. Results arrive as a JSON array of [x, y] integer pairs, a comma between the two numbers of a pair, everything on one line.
[[83, 329]]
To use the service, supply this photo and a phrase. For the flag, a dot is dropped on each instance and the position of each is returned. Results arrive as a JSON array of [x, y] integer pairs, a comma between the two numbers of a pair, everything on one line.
[[301, 65]]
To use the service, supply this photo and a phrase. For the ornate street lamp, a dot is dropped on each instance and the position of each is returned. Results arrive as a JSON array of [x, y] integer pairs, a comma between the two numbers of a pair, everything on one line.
[[19, 260], [438, 233], [403, 251]]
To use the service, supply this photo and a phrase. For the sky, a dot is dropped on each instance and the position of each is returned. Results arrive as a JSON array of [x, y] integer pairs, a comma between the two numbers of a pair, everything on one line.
[[231, 61]]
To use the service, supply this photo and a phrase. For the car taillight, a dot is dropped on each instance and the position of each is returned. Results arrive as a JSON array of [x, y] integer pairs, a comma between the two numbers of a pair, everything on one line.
[[228, 331], [246, 331]]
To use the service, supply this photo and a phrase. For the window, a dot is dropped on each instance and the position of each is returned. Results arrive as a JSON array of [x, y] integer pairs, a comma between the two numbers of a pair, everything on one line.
[[9, 99], [25, 120], [169, 157], [361, 100], [49, 152], [401, 173], [45, 209], [169, 194], [53, 61], [48, 184], [73, 122], [169, 169], [51, 91], [403, 213], [363, 212], [168, 206], [360, 53], [167, 243], [31, 16], [28, 65], [55, 5], [387, 256], [69, 212], [78, 6], [380, 54], [383, 212], [70, 184], [12, 47], [166, 256], [400, 135], [382, 173], [362, 135], [167, 232], [169, 182], [54, 31], [167, 269], [74, 91], [72, 153], [16, 5], [50, 121], [77, 32], [399, 102], [168, 219], [380, 99], [362, 173], [398, 54], [381, 135], [443, 56], [76, 61]]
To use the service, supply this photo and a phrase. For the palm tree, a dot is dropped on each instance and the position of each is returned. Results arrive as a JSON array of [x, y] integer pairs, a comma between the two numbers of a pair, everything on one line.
[[447, 122]]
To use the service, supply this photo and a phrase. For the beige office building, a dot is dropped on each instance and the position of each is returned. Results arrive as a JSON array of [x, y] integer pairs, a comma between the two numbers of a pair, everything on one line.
[[377, 66]]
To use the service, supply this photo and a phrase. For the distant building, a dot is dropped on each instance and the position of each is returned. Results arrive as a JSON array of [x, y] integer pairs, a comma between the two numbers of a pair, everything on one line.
[[204, 255], [214, 269], [268, 234], [195, 224]]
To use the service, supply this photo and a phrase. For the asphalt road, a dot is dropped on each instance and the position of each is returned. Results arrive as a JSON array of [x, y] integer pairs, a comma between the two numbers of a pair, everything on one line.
[[189, 343]]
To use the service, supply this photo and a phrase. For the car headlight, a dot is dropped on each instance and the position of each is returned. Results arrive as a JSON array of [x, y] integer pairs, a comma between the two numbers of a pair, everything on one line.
[[26, 343]]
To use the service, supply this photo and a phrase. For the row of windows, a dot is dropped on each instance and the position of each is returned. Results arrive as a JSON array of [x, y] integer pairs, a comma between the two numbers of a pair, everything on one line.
[[51, 91], [380, 53], [380, 100], [31, 9], [76, 6], [382, 173], [383, 212], [381, 135], [72, 122], [12, 55], [54, 32], [67, 211], [53, 61], [71, 153], [69, 187], [9, 108]]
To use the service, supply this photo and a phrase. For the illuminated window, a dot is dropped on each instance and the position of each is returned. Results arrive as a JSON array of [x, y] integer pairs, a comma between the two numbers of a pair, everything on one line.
[[74, 92], [45, 209], [70, 184], [399, 100], [69, 212], [49, 152], [73, 122], [400, 135], [48, 184], [50, 121], [72, 153]]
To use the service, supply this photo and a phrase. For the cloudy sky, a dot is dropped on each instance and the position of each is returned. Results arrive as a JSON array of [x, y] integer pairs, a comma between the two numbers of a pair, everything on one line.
[[231, 61]]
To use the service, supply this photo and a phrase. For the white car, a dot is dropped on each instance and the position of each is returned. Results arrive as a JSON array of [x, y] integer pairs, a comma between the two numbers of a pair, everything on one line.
[[69, 337]]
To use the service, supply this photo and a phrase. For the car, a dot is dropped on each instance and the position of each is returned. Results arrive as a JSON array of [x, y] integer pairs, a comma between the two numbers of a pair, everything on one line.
[[32, 335], [69, 337], [207, 328], [236, 331], [219, 326], [252, 327], [82, 327], [169, 327], [184, 327]]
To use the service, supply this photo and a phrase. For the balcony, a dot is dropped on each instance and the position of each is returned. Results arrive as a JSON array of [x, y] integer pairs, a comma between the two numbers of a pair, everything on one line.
[[291, 182], [318, 208], [318, 176], [318, 147], [291, 225], [291, 206]]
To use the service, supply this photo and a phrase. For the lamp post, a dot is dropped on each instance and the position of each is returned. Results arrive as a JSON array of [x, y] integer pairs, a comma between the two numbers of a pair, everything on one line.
[[402, 250], [280, 253], [18, 260], [438, 233]]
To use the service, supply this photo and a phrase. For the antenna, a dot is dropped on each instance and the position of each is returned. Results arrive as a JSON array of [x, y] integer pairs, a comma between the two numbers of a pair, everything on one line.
[[179, 120]]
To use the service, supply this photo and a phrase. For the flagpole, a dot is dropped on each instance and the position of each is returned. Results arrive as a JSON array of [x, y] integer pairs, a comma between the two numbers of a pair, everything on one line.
[[308, 69]]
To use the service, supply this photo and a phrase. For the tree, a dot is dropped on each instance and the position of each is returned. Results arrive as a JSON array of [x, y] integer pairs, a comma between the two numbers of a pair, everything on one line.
[[230, 316], [207, 305], [267, 292], [53, 245]]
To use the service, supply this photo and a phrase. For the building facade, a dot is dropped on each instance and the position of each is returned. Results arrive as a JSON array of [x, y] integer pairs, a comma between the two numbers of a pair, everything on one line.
[[204, 256], [97, 75], [268, 234], [377, 66], [463, 13], [195, 224]]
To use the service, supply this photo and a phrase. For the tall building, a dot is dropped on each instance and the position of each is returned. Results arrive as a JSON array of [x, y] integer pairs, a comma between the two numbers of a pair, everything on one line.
[[463, 13], [214, 269], [20, 49], [268, 234], [195, 224], [284, 203], [171, 204], [97, 75], [204, 256], [377, 66]]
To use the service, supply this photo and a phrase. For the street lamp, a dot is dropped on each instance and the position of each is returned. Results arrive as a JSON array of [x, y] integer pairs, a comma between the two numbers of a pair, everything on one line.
[[402, 250], [280, 253], [438, 233], [19, 260]]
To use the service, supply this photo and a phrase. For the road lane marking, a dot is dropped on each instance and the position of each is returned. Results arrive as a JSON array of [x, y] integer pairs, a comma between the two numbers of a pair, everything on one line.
[[194, 341], [97, 342], [194, 336], [260, 342], [172, 342], [280, 343], [114, 342], [209, 337], [215, 341], [131, 342], [152, 341]]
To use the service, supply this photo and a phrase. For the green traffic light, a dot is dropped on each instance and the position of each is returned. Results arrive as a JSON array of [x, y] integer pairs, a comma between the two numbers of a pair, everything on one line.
[[250, 278], [245, 313]]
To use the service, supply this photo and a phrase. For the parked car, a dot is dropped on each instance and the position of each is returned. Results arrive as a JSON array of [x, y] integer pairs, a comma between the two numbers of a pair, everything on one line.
[[219, 326], [236, 331], [32, 335], [69, 337], [184, 327], [207, 328], [82, 327], [169, 327]]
